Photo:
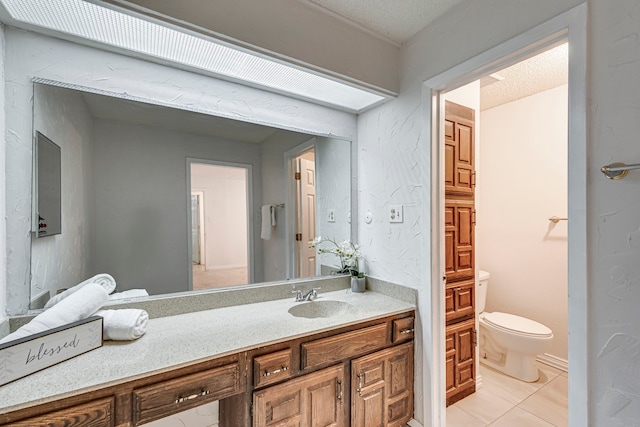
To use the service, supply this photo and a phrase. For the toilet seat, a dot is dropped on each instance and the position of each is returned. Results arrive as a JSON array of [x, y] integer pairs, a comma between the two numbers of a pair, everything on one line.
[[516, 325]]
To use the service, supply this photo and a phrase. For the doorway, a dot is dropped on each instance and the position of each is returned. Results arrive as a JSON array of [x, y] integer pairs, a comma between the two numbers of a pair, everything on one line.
[[570, 27], [219, 224], [511, 169]]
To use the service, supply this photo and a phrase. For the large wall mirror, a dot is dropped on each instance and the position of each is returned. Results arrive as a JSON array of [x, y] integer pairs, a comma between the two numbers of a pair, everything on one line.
[[172, 200]]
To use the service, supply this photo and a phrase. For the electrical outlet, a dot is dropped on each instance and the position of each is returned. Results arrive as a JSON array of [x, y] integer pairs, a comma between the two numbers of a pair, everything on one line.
[[331, 215], [395, 213]]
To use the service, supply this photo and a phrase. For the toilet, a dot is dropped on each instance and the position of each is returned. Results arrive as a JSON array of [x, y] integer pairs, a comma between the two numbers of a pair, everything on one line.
[[510, 343]]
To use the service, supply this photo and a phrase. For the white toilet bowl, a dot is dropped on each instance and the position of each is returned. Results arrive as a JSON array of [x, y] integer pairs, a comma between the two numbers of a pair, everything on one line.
[[510, 343]]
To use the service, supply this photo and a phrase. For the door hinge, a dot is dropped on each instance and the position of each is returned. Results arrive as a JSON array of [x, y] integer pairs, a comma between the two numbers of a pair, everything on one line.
[[251, 409], [297, 176], [473, 217], [298, 237], [473, 178], [475, 337]]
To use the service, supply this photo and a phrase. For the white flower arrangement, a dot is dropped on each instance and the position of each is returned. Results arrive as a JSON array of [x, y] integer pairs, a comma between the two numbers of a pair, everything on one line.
[[347, 251]]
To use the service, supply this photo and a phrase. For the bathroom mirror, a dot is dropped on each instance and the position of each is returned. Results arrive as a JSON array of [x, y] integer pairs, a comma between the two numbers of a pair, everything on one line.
[[152, 194]]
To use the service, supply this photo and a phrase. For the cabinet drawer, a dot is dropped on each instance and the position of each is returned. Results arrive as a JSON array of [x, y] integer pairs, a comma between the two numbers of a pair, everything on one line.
[[173, 396], [343, 346], [99, 413], [272, 367], [403, 329]]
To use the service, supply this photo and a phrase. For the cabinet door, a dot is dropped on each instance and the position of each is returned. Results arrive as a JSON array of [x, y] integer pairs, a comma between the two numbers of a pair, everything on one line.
[[460, 360], [382, 388], [459, 239], [314, 400]]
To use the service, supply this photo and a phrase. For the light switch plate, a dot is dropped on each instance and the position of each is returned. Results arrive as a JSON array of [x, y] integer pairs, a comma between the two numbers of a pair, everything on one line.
[[331, 215], [395, 213]]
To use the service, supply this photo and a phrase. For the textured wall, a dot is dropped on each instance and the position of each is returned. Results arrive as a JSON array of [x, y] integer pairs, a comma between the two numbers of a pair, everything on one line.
[[395, 162], [523, 182], [29, 55], [3, 224], [66, 259], [614, 213]]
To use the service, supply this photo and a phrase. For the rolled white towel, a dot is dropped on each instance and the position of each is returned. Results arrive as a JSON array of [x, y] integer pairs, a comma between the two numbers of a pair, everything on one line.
[[123, 325], [131, 293], [77, 306], [104, 280]]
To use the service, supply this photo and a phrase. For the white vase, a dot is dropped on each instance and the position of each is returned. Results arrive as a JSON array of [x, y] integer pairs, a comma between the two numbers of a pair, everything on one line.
[[358, 284]]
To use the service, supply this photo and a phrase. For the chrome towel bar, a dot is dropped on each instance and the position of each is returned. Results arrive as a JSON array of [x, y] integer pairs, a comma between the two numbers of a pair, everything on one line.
[[618, 170], [555, 219]]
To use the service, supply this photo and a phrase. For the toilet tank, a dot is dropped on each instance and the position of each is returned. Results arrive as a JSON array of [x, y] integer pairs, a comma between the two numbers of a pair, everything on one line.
[[481, 291]]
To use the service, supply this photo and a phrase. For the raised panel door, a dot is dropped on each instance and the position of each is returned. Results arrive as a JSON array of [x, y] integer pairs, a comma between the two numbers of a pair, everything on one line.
[[382, 388], [315, 400], [460, 360]]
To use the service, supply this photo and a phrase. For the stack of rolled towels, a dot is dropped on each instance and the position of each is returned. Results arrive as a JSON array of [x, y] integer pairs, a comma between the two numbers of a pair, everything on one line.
[[84, 300]]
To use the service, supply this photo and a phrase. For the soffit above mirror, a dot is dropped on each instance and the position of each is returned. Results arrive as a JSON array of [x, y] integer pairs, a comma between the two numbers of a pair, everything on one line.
[[139, 35]]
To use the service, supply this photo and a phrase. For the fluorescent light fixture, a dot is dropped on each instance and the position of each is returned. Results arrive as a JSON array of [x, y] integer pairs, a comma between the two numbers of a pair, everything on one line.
[[96, 23]]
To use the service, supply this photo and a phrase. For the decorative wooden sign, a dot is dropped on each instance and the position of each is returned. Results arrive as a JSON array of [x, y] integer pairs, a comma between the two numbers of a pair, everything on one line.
[[34, 353]]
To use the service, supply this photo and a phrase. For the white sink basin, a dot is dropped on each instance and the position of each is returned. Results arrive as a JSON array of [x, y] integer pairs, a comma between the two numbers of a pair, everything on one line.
[[315, 309]]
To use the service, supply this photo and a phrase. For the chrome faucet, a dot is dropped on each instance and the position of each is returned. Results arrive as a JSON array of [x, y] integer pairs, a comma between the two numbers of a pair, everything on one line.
[[309, 296]]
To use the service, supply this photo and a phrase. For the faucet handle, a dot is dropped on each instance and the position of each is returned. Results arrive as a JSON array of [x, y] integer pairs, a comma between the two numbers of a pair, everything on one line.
[[298, 293]]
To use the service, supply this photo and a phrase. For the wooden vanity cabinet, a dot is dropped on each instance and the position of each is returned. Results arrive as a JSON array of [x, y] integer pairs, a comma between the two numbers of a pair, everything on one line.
[[305, 381]]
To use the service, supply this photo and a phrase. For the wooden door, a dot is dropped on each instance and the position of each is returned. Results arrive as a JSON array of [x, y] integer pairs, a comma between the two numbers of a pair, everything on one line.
[[307, 217], [314, 400], [382, 388], [460, 359], [459, 232]]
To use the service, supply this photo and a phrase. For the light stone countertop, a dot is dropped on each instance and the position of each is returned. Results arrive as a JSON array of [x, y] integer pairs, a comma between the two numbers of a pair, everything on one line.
[[180, 340]]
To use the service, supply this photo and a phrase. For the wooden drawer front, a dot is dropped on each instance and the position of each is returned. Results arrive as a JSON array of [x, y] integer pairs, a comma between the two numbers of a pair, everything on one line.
[[173, 396], [99, 413], [271, 368], [343, 346], [403, 329]]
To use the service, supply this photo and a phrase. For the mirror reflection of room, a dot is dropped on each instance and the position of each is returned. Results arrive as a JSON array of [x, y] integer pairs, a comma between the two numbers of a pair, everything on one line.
[[127, 200]]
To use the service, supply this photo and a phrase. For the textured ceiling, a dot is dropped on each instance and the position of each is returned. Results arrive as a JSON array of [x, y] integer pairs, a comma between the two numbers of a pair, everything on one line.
[[138, 113], [397, 20], [536, 74]]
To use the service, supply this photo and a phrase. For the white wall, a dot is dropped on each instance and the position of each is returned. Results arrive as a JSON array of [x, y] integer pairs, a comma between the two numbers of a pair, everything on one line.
[[333, 191], [523, 148], [29, 55], [394, 161], [66, 259], [3, 177], [225, 226], [141, 201]]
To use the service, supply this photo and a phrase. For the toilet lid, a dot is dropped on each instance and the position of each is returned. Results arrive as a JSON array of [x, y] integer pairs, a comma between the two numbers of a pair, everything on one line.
[[516, 323]]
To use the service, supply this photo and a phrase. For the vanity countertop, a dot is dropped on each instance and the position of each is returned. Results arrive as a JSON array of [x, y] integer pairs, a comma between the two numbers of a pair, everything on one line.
[[175, 341]]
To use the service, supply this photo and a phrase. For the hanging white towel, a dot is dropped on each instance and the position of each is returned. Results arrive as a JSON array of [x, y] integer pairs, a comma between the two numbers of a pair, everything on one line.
[[104, 280], [268, 221], [123, 325], [77, 306]]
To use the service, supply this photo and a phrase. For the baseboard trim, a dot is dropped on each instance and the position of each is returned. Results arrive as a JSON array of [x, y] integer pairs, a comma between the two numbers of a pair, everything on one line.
[[414, 423], [553, 361]]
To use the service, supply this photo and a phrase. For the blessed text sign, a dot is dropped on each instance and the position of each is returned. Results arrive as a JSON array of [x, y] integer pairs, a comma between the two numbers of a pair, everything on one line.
[[30, 354]]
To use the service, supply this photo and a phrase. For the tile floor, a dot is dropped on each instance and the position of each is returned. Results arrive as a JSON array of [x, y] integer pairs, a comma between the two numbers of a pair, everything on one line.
[[503, 401]]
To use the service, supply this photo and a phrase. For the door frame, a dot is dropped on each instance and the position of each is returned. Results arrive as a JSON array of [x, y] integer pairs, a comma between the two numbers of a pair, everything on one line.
[[290, 204], [570, 26], [250, 210], [201, 230]]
